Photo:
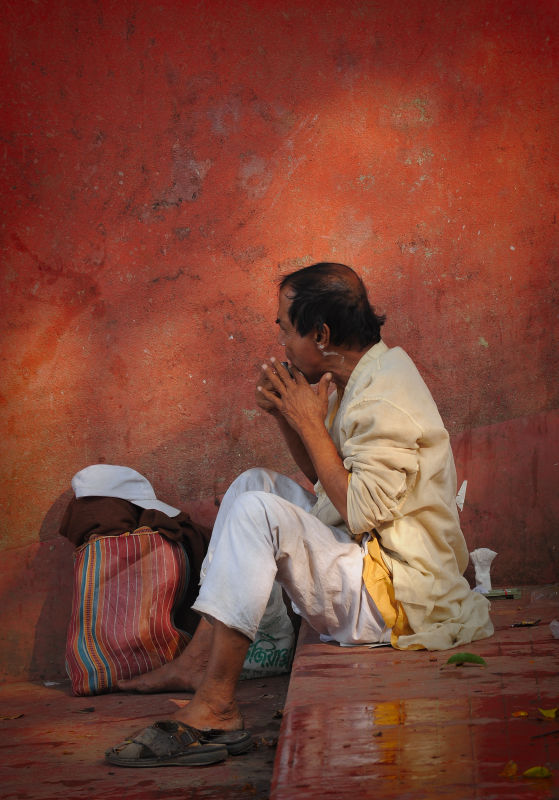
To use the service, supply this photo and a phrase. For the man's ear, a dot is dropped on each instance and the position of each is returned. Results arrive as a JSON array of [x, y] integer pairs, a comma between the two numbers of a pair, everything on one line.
[[323, 337]]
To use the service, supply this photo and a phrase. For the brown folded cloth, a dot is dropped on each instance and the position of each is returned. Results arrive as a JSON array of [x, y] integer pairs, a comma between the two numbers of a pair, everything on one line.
[[98, 516], [110, 516]]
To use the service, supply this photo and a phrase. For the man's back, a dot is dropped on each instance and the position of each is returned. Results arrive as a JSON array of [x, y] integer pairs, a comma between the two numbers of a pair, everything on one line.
[[402, 485]]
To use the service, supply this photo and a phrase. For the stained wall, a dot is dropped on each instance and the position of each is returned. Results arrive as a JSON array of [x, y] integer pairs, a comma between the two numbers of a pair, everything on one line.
[[162, 164]]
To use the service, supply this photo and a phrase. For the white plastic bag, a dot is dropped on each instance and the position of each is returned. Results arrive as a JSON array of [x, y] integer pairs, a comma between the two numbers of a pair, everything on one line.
[[481, 559], [545, 596], [273, 649]]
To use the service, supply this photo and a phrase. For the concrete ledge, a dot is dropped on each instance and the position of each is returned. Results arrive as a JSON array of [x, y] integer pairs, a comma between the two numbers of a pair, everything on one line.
[[388, 724]]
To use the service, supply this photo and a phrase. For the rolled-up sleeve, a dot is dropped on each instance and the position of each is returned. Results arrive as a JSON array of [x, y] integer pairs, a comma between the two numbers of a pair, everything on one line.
[[381, 453]]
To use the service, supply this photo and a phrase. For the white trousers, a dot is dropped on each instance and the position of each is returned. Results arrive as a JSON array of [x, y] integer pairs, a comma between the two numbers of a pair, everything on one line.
[[263, 532]]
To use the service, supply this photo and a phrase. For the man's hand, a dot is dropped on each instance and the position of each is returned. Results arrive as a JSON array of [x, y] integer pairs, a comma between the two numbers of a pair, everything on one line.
[[302, 412], [293, 397], [262, 402]]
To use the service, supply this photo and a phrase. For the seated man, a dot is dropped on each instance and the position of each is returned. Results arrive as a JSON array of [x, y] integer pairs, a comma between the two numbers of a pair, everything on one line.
[[378, 556]]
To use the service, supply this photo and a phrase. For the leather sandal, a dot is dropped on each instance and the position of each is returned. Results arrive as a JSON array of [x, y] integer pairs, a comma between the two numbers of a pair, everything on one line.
[[167, 743], [235, 741]]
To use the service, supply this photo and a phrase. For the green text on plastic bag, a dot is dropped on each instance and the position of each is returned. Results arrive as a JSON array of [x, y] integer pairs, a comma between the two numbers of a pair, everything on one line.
[[466, 658]]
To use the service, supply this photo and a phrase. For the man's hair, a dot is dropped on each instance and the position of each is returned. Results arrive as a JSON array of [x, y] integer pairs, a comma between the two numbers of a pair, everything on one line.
[[333, 295]]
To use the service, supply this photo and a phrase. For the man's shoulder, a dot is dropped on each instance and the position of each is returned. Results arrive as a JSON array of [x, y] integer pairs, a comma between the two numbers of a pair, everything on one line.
[[391, 366], [394, 378]]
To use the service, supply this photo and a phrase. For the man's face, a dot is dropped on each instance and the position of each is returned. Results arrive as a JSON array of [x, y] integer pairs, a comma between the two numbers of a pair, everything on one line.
[[302, 351]]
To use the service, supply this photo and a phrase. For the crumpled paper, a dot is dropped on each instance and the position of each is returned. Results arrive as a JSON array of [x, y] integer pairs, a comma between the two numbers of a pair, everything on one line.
[[461, 496], [482, 559]]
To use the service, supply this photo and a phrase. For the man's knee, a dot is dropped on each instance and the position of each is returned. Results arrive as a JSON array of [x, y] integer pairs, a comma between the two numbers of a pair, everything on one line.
[[251, 504], [256, 479]]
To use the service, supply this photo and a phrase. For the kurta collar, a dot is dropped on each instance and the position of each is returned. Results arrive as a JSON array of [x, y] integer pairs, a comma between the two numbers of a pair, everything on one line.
[[375, 352]]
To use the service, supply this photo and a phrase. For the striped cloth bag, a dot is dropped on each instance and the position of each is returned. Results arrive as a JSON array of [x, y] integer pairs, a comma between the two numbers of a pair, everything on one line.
[[126, 589]]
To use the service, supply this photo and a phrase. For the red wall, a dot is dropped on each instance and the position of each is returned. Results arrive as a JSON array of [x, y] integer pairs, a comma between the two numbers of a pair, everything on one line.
[[162, 163]]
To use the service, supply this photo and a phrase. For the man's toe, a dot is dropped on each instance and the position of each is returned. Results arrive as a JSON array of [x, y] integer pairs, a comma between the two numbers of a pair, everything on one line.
[[126, 684]]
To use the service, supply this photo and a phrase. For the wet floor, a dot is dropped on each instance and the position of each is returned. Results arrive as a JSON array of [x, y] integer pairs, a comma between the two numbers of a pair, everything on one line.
[[56, 750]]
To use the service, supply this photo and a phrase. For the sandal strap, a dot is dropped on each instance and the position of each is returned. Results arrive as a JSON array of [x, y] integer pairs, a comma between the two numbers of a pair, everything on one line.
[[166, 738]]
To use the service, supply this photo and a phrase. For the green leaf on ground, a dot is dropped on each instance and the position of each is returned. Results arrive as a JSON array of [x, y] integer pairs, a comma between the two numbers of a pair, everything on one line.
[[466, 658], [538, 772]]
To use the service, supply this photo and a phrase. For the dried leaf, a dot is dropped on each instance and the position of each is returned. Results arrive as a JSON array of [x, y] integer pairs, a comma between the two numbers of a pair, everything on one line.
[[550, 713], [432, 659], [378, 734], [519, 713], [509, 770], [278, 714], [248, 787], [271, 743], [466, 658], [17, 716], [538, 772], [87, 710]]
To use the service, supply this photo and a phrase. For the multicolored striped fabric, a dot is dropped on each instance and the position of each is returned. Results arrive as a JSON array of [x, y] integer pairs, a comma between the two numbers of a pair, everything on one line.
[[126, 589]]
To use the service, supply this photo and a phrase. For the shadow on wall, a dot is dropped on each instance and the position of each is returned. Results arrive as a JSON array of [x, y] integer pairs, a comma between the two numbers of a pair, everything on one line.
[[52, 573], [53, 517], [54, 564], [35, 602], [35, 605]]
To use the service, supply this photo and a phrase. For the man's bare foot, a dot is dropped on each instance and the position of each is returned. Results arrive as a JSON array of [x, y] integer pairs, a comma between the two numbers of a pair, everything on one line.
[[184, 674], [202, 714], [171, 677]]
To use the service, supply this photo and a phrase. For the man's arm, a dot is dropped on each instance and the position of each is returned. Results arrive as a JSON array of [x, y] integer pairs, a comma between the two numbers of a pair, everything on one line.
[[328, 465], [297, 449], [304, 411]]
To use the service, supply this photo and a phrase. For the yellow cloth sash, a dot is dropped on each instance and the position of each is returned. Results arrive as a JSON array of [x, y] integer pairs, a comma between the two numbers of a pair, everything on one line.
[[378, 582]]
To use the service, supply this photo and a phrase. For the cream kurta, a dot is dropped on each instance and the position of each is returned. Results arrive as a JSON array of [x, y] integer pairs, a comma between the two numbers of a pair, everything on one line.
[[391, 438]]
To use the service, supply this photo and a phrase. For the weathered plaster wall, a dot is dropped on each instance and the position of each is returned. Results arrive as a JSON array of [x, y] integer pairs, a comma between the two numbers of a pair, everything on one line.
[[162, 163]]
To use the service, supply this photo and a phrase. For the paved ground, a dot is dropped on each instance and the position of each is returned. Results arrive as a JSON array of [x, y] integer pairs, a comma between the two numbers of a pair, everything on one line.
[[381, 723], [55, 751]]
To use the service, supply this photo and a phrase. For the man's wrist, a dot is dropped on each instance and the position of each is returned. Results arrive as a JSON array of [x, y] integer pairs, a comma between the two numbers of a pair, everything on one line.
[[312, 430]]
